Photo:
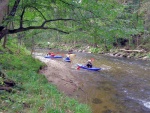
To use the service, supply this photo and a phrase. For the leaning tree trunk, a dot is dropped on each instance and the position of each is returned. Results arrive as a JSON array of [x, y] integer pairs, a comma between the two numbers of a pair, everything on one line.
[[3, 9], [5, 38], [3, 13], [3, 30]]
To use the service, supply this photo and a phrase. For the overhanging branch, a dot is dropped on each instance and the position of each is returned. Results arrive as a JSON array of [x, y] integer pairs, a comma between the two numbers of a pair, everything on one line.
[[7, 31], [61, 19], [34, 27]]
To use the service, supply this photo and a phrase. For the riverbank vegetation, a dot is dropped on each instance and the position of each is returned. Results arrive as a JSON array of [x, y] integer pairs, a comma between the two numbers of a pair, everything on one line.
[[22, 89]]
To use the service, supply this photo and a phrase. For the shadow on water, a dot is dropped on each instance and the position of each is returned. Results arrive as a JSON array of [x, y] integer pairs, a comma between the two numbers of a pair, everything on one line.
[[122, 86]]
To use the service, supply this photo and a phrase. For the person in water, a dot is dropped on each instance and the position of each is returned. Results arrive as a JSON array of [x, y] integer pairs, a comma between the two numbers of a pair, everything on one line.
[[89, 64]]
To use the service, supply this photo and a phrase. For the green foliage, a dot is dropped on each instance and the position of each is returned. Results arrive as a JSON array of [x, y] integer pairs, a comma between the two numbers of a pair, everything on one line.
[[1, 81], [149, 55], [113, 22], [94, 50], [95, 22]]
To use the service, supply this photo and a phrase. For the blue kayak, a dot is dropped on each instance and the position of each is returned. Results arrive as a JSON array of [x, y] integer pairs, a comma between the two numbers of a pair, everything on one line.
[[67, 59], [85, 67], [56, 56]]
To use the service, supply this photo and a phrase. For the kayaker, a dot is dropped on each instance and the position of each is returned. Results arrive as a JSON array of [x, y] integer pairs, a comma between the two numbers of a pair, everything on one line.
[[68, 57], [89, 64], [51, 54], [71, 56]]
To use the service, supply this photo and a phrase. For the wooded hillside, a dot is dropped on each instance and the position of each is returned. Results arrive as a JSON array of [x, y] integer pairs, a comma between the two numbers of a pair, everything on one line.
[[99, 23]]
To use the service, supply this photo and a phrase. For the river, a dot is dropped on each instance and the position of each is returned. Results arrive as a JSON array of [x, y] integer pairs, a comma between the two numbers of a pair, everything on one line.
[[122, 86]]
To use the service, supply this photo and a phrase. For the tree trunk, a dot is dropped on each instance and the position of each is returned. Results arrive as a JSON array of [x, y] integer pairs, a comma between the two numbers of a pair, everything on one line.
[[6, 13], [4, 42], [12, 13], [3, 9], [32, 49]]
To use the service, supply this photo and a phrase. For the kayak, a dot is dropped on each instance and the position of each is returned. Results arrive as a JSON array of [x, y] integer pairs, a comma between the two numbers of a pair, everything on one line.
[[56, 56], [67, 60], [85, 67]]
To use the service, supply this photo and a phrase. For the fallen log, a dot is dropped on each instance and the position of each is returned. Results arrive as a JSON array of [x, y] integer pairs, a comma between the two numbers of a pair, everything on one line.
[[8, 89], [139, 51], [9, 83]]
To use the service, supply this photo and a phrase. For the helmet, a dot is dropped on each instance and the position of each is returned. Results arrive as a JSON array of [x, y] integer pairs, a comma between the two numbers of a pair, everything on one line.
[[89, 60]]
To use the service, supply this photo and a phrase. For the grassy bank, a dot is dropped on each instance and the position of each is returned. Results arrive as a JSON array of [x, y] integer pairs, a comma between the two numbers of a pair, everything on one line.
[[31, 93]]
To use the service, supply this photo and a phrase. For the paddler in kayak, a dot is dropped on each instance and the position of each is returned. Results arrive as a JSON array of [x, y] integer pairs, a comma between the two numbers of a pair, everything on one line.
[[51, 54], [70, 55], [89, 64]]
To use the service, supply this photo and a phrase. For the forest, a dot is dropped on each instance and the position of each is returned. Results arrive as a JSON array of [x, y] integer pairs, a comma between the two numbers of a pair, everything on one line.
[[117, 27], [89, 22]]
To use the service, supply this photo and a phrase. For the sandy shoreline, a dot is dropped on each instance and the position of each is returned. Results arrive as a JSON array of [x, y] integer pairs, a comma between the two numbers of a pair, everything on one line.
[[59, 74]]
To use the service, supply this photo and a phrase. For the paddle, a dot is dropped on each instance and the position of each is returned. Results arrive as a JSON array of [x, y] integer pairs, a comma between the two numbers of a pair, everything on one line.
[[78, 68], [62, 54], [92, 59], [58, 53]]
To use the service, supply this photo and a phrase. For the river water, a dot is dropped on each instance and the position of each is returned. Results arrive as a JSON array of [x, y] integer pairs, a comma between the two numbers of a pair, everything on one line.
[[122, 86]]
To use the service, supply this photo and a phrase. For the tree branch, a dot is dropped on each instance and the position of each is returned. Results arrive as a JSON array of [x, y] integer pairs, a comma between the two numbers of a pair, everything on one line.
[[7, 31], [21, 18], [13, 11], [38, 11], [56, 20], [34, 27]]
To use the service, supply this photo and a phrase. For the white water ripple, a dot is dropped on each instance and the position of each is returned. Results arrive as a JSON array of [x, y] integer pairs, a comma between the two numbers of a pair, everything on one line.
[[145, 103]]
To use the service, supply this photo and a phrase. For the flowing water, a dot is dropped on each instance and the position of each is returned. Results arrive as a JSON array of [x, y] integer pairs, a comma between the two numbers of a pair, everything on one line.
[[122, 86]]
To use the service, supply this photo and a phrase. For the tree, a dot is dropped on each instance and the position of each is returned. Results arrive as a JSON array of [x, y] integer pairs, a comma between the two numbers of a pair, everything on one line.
[[39, 14], [103, 20]]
